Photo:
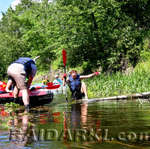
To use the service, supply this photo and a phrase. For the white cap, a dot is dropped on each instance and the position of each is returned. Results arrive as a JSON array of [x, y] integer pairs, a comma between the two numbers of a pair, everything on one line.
[[56, 76]]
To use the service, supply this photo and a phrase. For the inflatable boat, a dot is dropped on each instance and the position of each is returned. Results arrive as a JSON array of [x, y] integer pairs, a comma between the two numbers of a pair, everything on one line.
[[39, 94], [37, 97]]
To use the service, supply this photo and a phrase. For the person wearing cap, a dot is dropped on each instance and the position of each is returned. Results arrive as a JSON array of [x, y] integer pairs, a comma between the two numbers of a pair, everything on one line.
[[21, 73], [57, 80], [78, 88]]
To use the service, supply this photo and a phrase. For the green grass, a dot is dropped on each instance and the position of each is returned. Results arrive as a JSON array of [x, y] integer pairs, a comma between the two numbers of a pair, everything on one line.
[[120, 84]]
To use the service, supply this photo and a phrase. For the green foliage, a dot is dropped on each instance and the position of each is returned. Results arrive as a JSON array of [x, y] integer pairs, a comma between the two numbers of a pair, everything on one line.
[[109, 34], [145, 53], [12, 104], [99, 33], [11, 107]]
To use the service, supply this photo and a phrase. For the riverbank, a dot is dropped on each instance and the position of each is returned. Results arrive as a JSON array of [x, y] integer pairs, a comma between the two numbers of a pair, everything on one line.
[[116, 84]]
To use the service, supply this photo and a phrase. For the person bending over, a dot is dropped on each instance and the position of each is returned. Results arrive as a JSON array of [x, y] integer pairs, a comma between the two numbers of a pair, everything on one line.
[[22, 72]]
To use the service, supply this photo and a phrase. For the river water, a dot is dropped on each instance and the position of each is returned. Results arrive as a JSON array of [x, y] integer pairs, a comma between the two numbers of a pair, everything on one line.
[[100, 125]]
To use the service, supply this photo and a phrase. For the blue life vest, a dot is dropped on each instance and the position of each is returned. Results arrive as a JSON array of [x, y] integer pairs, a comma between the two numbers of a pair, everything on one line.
[[75, 84], [27, 63]]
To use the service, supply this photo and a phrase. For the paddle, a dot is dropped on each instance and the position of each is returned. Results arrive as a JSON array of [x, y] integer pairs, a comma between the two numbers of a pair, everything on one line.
[[64, 55], [36, 58]]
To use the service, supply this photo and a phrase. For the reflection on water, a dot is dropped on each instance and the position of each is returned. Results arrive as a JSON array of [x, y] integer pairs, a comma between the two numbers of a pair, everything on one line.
[[21, 130], [124, 124], [78, 116], [75, 119]]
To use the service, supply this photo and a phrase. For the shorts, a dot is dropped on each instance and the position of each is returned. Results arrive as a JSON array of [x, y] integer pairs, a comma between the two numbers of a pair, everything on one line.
[[77, 95], [17, 72]]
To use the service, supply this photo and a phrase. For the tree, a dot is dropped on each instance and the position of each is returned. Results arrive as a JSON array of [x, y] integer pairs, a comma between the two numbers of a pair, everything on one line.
[[98, 33]]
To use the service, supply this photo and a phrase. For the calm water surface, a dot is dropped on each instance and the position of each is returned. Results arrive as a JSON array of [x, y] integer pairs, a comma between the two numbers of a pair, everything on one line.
[[101, 125]]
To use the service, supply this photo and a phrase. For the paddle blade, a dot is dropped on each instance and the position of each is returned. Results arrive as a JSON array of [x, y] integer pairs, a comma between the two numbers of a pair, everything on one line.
[[64, 54]]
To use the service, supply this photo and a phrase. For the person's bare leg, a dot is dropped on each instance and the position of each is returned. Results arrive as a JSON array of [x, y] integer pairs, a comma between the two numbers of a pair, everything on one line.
[[25, 97], [16, 92], [9, 83], [84, 90]]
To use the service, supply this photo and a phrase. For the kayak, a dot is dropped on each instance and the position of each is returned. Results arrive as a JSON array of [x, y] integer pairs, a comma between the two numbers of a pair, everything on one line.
[[37, 97], [49, 85]]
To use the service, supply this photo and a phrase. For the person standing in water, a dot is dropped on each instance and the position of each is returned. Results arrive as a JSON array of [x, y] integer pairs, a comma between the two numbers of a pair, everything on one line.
[[78, 88]]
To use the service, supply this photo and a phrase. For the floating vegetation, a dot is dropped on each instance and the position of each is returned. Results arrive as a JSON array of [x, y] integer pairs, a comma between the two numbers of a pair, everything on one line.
[[9, 107]]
